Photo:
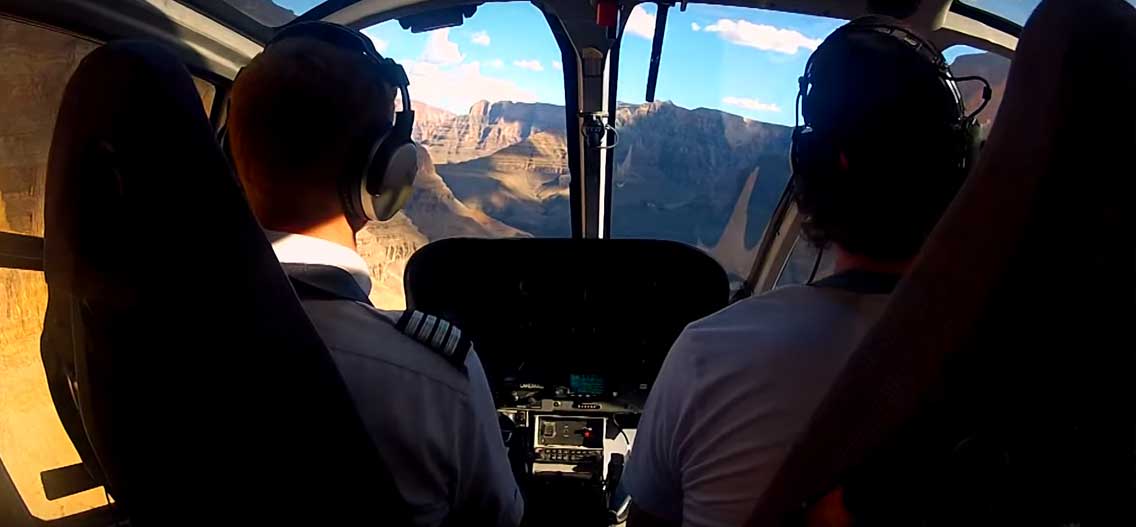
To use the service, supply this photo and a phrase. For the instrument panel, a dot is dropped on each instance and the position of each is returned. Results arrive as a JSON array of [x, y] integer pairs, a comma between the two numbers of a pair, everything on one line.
[[575, 392]]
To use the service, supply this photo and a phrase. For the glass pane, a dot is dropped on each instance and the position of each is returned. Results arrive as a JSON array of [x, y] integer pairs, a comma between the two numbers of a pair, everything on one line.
[[273, 13], [966, 61], [1013, 10], [35, 64], [206, 91], [707, 162], [489, 113], [798, 269], [32, 439]]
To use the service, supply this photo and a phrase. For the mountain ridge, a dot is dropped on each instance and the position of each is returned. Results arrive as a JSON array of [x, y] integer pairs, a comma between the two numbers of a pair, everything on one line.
[[685, 174], [995, 69], [486, 128]]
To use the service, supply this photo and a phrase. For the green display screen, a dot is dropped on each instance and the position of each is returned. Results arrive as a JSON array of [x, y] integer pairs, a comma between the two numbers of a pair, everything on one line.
[[586, 384]]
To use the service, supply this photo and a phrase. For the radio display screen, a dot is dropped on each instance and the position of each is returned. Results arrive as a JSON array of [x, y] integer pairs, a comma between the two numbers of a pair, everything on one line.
[[586, 384]]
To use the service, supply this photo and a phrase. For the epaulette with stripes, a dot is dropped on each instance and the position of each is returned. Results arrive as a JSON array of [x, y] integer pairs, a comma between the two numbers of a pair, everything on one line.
[[437, 334]]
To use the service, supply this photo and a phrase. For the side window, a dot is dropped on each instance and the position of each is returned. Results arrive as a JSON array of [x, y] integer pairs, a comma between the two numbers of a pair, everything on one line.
[[707, 162], [488, 98], [207, 91], [806, 264], [35, 64], [966, 61]]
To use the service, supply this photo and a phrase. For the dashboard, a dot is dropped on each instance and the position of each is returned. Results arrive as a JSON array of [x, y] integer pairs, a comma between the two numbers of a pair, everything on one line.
[[571, 334], [569, 433]]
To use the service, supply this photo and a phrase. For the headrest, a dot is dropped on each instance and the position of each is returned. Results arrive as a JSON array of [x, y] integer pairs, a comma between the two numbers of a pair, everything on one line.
[[197, 371], [615, 302], [1010, 325]]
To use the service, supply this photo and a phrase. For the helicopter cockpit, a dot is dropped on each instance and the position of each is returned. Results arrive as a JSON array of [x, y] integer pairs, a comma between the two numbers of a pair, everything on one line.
[[595, 176]]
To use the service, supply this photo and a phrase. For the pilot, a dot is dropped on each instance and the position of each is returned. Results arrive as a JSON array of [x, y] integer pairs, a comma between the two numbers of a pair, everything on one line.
[[884, 147], [311, 134]]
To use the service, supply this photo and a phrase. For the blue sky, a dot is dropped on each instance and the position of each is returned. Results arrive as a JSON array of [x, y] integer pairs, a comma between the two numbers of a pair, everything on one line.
[[740, 60], [1015, 10]]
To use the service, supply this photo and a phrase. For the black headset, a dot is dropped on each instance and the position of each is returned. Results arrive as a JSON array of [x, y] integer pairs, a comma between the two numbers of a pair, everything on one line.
[[391, 160], [811, 150]]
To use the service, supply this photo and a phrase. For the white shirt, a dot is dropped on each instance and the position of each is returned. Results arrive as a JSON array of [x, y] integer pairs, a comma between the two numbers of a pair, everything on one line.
[[734, 392], [297, 248], [435, 426]]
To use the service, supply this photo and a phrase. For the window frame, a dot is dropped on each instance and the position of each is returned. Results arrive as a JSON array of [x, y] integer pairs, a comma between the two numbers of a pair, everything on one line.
[[993, 20], [21, 251]]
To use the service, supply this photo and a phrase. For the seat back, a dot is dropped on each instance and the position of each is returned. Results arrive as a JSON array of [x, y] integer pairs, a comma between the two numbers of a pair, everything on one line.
[[203, 388], [997, 387], [553, 303]]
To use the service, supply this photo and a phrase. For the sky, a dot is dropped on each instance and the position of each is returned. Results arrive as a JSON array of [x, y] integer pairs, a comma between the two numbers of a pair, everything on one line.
[[1013, 10], [740, 60]]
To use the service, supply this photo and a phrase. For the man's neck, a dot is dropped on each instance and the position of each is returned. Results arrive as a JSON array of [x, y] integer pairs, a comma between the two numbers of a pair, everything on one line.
[[336, 230], [846, 261]]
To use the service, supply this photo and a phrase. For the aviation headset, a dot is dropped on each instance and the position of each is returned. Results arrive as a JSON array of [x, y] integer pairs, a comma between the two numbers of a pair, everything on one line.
[[389, 162], [812, 150]]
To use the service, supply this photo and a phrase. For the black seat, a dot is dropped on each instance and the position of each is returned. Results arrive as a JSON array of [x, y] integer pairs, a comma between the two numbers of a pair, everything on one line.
[[205, 393], [997, 388], [554, 302]]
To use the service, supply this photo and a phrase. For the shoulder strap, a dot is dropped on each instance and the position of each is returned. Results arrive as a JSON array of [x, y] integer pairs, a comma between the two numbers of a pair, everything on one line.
[[437, 334], [323, 282], [314, 281]]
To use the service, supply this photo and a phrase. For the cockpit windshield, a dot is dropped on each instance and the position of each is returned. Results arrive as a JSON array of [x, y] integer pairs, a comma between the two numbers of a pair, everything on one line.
[[1017, 11], [707, 161], [273, 13], [489, 112]]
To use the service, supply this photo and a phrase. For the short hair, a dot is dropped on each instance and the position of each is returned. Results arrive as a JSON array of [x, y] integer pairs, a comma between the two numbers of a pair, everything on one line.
[[893, 126], [302, 113]]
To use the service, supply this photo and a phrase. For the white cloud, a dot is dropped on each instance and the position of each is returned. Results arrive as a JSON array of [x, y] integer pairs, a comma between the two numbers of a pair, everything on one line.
[[440, 50], [695, 27], [434, 84], [641, 23], [496, 64], [481, 38], [556, 65], [751, 104], [763, 37], [531, 65], [380, 44]]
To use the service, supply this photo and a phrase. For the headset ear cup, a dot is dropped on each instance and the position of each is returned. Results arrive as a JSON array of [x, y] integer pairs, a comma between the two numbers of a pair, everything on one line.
[[226, 150], [813, 153], [389, 181]]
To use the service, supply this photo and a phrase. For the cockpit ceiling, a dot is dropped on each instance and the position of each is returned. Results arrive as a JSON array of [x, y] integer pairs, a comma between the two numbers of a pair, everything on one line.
[[964, 22]]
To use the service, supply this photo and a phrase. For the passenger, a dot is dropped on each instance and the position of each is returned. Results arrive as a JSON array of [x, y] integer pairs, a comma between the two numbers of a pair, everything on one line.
[[885, 146], [305, 114]]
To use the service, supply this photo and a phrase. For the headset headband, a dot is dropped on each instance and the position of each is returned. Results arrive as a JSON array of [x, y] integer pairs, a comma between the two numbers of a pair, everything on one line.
[[910, 40], [348, 39]]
